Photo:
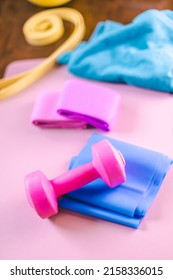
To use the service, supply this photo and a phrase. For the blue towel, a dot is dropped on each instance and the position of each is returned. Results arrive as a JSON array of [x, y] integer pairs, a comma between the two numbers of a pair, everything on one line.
[[139, 53], [128, 203]]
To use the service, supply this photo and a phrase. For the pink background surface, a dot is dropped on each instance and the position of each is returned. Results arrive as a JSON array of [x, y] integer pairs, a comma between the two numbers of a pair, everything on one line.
[[145, 119]]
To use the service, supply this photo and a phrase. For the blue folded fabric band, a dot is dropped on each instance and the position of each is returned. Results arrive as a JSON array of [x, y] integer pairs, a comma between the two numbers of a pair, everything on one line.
[[139, 53], [128, 203]]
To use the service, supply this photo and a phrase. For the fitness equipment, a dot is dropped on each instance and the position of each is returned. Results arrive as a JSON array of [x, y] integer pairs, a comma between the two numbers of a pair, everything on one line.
[[49, 3], [108, 164], [49, 21]]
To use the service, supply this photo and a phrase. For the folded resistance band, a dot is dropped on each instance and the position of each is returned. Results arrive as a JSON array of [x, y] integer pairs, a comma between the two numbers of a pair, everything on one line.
[[139, 53], [44, 28], [80, 103], [86, 101], [128, 203], [45, 113]]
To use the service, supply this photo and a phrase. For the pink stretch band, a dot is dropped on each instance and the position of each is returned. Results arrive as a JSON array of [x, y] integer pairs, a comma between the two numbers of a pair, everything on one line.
[[79, 104], [88, 102], [45, 113]]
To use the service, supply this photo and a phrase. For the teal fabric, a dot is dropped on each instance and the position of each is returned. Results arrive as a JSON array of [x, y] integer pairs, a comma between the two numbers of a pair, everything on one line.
[[128, 203], [139, 53]]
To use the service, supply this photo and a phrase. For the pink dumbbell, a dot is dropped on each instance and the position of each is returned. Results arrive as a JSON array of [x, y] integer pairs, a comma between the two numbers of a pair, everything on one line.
[[108, 163]]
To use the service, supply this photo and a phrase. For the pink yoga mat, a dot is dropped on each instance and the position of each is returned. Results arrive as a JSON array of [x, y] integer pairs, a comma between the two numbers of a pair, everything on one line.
[[145, 119]]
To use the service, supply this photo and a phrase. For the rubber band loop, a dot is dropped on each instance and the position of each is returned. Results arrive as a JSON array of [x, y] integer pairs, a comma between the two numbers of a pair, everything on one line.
[[11, 86], [42, 30]]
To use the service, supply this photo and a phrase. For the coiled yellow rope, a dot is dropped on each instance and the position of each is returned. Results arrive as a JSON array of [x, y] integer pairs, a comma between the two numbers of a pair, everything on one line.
[[51, 22]]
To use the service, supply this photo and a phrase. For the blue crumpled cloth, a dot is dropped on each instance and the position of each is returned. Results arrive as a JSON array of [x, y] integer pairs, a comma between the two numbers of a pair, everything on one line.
[[128, 203], [139, 53]]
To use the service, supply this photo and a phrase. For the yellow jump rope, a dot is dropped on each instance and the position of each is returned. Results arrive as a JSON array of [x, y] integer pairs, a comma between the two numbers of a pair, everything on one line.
[[51, 22]]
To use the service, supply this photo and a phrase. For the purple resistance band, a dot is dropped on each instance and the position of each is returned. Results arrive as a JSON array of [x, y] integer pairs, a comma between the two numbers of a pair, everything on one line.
[[45, 113], [86, 101], [79, 104]]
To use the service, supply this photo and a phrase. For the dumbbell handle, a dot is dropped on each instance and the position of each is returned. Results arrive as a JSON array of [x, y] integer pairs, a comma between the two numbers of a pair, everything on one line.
[[74, 179]]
